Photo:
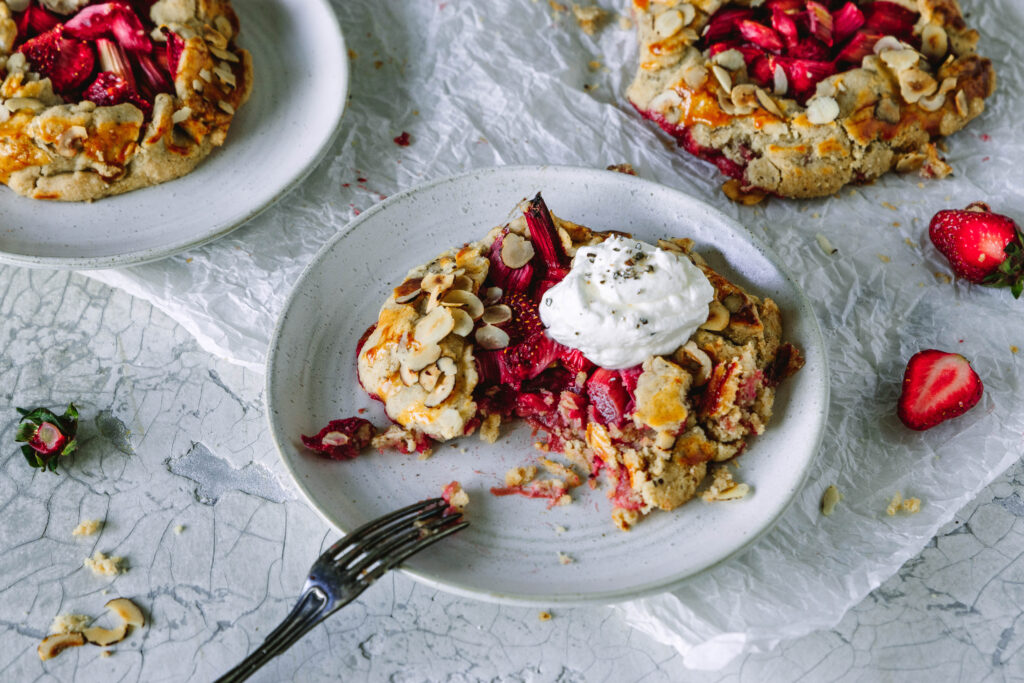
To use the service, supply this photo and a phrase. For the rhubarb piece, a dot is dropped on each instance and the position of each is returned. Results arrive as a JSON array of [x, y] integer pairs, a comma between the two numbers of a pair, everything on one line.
[[153, 78], [545, 238], [725, 24], [175, 46], [820, 21], [66, 62], [109, 89], [47, 436], [760, 35], [509, 279], [846, 21], [342, 439], [34, 21], [937, 386], [860, 46], [809, 48], [890, 19], [527, 359], [111, 19], [982, 247], [608, 395], [785, 26]]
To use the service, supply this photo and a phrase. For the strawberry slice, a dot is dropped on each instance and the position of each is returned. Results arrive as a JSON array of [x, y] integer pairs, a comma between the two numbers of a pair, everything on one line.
[[66, 62], [725, 24], [110, 19], [804, 74], [809, 48], [937, 386], [341, 439], [820, 21], [890, 19], [575, 361], [860, 46], [846, 21], [761, 35], [608, 395], [982, 247], [33, 21], [527, 359]]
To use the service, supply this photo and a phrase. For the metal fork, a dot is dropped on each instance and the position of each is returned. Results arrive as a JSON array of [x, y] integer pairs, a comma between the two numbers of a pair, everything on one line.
[[342, 573]]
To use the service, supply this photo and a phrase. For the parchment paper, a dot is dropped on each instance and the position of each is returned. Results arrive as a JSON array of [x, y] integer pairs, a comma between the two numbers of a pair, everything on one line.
[[518, 82]]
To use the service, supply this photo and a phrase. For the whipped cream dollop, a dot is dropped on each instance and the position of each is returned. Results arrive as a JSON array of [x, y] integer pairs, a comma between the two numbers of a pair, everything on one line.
[[624, 301]]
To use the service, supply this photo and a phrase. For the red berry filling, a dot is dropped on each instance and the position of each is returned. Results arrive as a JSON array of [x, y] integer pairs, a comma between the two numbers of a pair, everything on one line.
[[103, 53], [807, 40]]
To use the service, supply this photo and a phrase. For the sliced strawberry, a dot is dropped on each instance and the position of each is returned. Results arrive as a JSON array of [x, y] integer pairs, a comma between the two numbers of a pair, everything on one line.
[[112, 19], [66, 62], [804, 74], [175, 46], [860, 46], [109, 89], [608, 395], [525, 322], [544, 237], [982, 247], [527, 359], [35, 20], [786, 27], [342, 439], [630, 377], [762, 70], [760, 35], [890, 19], [937, 386], [575, 361], [846, 21], [725, 24], [820, 21]]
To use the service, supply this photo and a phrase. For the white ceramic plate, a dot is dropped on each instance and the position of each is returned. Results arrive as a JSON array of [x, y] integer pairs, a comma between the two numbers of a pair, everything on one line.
[[278, 136], [510, 551]]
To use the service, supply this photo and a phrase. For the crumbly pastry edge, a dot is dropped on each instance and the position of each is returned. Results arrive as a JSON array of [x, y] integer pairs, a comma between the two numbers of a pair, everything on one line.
[[215, 78], [858, 126]]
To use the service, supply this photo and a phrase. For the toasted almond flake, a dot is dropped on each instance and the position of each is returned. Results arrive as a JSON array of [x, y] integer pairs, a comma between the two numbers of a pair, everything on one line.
[[206, 75], [690, 350], [491, 337], [492, 295], [442, 391], [829, 500], [822, 110], [214, 37], [933, 103], [408, 290], [469, 301], [105, 636], [768, 103], [223, 25], [197, 85], [428, 377], [446, 365], [421, 356], [731, 59], [962, 107], [463, 282], [16, 62], [224, 54], [934, 42], [888, 44], [694, 76], [516, 252], [434, 326], [181, 115], [718, 317], [900, 60], [226, 107], [780, 81], [55, 644], [15, 104], [225, 75], [915, 84], [495, 315], [669, 23], [825, 245], [128, 611], [723, 77], [463, 322], [408, 375]]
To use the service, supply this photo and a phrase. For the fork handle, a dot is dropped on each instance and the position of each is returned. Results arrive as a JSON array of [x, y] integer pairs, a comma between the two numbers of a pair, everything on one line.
[[313, 607]]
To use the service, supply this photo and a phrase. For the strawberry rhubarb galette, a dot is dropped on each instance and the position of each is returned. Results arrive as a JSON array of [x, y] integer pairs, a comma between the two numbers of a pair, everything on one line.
[[638, 363], [797, 98], [99, 98]]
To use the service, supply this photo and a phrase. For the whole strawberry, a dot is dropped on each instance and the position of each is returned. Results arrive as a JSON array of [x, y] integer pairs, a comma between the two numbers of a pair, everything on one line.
[[937, 386], [47, 436], [982, 247]]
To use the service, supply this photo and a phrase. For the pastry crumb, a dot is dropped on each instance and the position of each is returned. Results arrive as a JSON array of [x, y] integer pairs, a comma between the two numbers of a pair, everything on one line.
[[106, 653], [87, 527], [1013, 349], [910, 506], [559, 529], [944, 277], [626, 168], [545, 616], [889, 206], [565, 559], [883, 258], [179, 529], [490, 428], [455, 496], [829, 500], [517, 476], [723, 487], [590, 18], [101, 565], [825, 245], [69, 623]]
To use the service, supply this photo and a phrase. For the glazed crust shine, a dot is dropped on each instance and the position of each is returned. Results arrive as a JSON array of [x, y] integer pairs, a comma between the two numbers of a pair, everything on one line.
[[857, 125], [79, 151]]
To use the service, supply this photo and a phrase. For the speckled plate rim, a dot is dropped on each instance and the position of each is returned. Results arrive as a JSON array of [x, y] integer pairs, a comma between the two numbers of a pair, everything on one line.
[[526, 599], [134, 258]]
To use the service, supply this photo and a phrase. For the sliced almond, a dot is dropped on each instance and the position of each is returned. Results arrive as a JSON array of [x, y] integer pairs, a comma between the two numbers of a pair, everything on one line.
[[745, 96], [962, 106], [434, 326], [731, 59], [494, 315], [900, 60], [768, 103], [492, 294], [718, 317], [694, 76], [933, 103], [224, 54], [442, 391], [734, 302], [669, 23], [408, 375], [888, 44], [691, 352], [408, 290], [516, 252], [437, 283], [689, 13], [446, 365], [463, 322], [822, 110], [934, 42], [18, 103], [422, 356], [468, 300], [915, 84], [491, 337], [181, 115], [106, 636], [127, 610], [463, 282], [780, 81], [723, 77], [429, 376], [55, 644]]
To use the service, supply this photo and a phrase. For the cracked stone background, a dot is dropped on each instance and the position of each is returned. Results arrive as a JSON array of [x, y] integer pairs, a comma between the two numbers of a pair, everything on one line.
[[173, 436]]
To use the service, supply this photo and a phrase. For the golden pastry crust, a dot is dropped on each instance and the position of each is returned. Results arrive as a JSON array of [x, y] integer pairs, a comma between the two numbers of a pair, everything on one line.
[[50, 149], [858, 125]]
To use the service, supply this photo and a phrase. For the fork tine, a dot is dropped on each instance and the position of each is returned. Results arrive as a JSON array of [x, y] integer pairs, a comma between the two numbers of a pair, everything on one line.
[[379, 550], [372, 525], [361, 543], [393, 562]]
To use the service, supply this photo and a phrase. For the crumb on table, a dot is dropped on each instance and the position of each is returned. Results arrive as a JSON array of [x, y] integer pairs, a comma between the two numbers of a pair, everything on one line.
[[829, 500], [101, 565], [87, 527]]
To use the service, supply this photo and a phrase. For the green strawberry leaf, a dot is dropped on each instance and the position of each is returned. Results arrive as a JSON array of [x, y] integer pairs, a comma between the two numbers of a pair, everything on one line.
[[70, 447], [25, 431]]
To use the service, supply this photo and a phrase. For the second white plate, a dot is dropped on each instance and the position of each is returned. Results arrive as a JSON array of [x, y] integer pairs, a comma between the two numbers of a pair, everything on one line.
[[511, 550], [277, 138]]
